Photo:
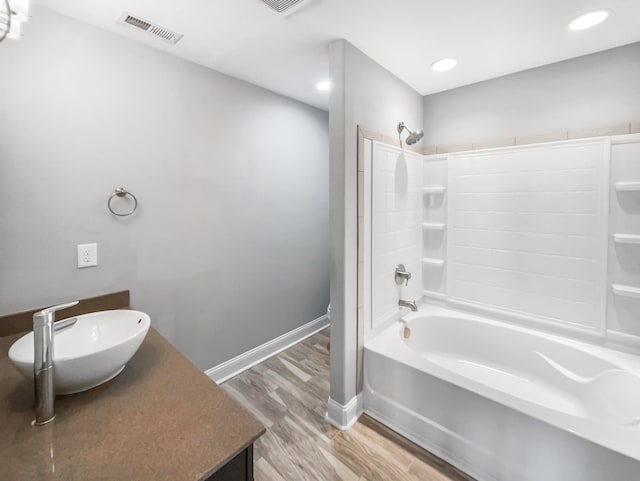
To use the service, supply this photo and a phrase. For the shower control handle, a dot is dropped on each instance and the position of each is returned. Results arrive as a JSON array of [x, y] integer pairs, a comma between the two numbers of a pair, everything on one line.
[[402, 275]]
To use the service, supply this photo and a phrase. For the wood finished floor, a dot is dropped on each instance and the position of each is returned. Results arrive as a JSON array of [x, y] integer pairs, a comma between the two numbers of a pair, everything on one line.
[[289, 393]]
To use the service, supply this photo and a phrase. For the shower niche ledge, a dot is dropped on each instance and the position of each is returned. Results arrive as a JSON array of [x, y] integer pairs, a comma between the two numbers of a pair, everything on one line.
[[434, 294], [620, 238], [626, 291], [628, 186], [437, 189], [432, 262], [437, 226]]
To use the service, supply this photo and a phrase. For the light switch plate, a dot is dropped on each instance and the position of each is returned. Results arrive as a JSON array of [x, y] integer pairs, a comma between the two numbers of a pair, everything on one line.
[[87, 255]]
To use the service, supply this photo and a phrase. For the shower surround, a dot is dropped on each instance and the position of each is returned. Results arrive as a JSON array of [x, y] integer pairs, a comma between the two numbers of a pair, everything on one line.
[[525, 351]]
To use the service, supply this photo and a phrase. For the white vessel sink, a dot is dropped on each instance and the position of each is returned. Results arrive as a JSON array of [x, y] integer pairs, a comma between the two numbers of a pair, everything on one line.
[[90, 352]]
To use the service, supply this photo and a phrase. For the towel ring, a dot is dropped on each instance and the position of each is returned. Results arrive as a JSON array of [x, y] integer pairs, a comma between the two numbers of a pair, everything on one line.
[[121, 192]]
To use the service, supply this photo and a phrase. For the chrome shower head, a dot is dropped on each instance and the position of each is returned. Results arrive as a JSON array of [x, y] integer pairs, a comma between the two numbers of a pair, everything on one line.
[[413, 136]]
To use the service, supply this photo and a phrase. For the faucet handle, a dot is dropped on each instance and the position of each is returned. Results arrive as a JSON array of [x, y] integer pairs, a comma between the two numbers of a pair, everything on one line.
[[59, 307], [51, 310], [402, 275]]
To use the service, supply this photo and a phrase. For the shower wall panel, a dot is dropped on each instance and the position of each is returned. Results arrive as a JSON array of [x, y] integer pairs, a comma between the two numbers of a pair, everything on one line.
[[528, 231]]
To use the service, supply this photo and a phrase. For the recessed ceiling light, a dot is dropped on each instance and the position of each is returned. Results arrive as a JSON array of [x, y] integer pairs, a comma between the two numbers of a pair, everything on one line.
[[443, 64], [324, 86], [589, 20]]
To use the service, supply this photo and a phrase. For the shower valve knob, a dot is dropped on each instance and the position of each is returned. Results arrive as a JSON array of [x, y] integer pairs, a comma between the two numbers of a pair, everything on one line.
[[402, 275]]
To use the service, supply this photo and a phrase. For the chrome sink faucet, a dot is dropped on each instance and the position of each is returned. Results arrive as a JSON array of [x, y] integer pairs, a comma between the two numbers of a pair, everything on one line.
[[410, 304], [43, 367]]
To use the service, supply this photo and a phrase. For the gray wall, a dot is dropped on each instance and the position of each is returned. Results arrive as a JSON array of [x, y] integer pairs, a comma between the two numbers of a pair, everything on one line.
[[363, 93], [593, 91], [229, 247]]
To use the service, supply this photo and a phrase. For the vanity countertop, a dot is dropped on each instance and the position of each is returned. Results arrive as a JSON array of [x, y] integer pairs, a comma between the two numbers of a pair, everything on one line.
[[160, 419]]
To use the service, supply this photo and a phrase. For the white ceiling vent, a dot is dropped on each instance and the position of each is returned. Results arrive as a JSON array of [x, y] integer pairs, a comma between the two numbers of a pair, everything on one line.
[[286, 7], [151, 28]]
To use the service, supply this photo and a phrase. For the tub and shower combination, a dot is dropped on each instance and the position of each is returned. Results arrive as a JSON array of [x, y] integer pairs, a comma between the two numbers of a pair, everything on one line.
[[522, 362], [503, 402]]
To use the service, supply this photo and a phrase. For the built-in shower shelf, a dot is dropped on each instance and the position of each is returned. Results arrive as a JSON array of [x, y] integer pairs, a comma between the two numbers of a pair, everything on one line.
[[626, 238], [432, 262], [433, 225], [628, 186], [434, 189], [626, 291], [434, 294]]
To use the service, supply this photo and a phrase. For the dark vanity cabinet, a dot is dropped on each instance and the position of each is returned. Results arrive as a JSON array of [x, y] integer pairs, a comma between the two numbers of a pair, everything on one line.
[[239, 468]]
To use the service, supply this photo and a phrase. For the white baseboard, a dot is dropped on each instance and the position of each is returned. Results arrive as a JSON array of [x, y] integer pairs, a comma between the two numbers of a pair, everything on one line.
[[232, 367], [345, 416]]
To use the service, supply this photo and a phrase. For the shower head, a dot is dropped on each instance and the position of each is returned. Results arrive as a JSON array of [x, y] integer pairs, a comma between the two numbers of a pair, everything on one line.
[[413, 136]]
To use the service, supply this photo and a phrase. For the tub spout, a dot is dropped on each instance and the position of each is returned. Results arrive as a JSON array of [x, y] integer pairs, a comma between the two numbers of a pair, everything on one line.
[[410, 304]]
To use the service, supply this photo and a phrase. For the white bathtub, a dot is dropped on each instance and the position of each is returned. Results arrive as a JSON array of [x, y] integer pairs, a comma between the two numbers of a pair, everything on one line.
[[506, 403]]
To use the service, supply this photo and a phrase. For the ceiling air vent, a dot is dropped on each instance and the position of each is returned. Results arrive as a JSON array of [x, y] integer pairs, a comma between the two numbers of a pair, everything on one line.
[[286, 7], [151, 28]]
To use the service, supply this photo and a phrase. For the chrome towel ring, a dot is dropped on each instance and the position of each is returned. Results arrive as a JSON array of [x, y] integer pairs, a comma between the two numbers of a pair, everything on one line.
[[121, 192]]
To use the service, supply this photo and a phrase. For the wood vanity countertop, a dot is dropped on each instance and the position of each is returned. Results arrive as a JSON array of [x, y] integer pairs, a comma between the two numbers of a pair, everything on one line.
[[160, 419]]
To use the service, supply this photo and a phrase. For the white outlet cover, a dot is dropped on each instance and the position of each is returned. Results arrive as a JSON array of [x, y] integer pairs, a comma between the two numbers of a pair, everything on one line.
[[87, 255]]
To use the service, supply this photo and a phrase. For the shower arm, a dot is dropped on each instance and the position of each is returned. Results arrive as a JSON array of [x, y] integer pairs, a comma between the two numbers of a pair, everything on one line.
[[401, 127]]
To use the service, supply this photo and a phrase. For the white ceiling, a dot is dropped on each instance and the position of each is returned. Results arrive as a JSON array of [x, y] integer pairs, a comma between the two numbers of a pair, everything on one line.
[[247, 40]]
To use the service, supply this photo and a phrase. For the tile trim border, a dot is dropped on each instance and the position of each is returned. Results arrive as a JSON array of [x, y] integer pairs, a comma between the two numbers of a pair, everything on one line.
[[344, 416], [623, 128], [247, 360]]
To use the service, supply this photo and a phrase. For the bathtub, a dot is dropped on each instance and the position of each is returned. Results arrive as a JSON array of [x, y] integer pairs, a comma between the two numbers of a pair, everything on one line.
[[506, 403]]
